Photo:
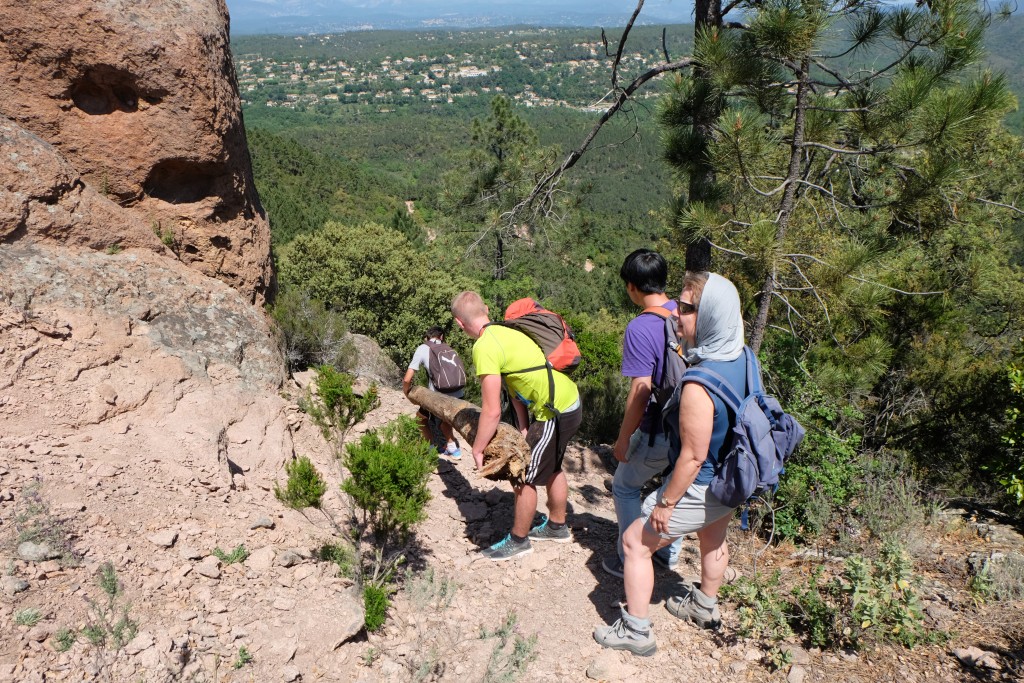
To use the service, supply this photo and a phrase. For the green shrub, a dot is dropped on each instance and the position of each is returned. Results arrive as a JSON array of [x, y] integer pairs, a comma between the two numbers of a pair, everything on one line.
[[380, 283], [1010, 469], [109, 619], [341, 555], [506, 663], [603, 396], [29, 616], [336, 407], [239, 554], [762, 610], [388, 474], [244, 657], [376, 600], [313, 335], [63, 639], [305, 487]]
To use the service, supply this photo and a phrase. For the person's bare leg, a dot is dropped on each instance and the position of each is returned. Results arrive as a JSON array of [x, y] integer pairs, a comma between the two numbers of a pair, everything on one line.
[[446, 432], [526, 507], [558, 496], [425, 427], [639, 543], [714, 556]]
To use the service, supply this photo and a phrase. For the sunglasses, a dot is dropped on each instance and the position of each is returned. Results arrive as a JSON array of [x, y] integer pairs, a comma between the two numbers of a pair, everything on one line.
[[685, 307]]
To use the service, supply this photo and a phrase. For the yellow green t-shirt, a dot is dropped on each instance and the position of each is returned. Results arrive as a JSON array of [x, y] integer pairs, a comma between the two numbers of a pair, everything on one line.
[[503, 351]]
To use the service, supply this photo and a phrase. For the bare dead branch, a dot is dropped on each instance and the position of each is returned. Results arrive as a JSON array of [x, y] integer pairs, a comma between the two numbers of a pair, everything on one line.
[[622, 44], [1011, 207], [546, 182]]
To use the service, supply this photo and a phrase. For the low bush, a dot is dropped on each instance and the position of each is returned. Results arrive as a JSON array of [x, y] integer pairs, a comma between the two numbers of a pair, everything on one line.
[[312, 334], [304, 487]]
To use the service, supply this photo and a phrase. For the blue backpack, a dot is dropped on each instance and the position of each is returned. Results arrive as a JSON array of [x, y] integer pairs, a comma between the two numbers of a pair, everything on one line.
[[762, 437]]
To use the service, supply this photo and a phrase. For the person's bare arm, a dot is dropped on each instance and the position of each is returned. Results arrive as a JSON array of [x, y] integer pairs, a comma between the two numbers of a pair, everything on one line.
[[490, 415], [407, 381], [696, 422], [636, 404]]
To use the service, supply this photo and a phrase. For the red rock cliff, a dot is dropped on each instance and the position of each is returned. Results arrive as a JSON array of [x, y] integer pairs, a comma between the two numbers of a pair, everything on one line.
[[139, 103]]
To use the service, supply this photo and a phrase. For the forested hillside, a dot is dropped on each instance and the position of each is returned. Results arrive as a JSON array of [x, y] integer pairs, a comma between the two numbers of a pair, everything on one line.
[[857, 176]]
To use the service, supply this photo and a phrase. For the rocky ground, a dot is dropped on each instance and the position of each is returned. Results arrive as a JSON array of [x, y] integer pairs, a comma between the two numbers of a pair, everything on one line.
[[144, 422], [456, 617]]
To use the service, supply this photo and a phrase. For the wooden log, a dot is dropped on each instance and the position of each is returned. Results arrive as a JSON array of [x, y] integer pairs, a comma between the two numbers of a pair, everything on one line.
[[505, 457]]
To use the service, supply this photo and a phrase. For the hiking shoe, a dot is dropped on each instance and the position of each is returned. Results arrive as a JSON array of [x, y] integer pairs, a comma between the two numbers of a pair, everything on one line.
[[665, 564], [453, 452], [689, 608], [544, 532], [613, 565], [623, 636], [506, 549]]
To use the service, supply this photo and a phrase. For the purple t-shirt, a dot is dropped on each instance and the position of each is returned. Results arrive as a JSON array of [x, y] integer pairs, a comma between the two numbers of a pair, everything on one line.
[[643, 355]]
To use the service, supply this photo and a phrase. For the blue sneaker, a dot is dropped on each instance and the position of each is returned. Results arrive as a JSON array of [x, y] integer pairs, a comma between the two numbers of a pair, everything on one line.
[[506, 549], [544, 532], [453, 452]]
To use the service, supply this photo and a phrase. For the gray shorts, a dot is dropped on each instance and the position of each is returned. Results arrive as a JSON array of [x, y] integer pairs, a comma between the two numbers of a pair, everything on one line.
[[694, 511]]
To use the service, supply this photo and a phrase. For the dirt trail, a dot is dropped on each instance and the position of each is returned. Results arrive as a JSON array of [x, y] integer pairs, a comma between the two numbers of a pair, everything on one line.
[[157, 521]]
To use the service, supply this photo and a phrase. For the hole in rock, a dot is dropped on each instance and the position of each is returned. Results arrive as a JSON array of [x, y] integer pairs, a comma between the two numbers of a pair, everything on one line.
[[180, 181]]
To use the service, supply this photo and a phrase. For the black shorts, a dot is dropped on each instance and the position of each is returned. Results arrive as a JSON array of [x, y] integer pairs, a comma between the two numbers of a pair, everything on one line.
[[547, 441]]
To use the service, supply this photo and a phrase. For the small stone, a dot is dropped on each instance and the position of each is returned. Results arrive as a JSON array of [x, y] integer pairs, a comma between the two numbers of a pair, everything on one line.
[[36, 552], [737, 667], [288, 558], [796, 674], [290, 674], [39, 633], [142, 641], [164, 539], [6, 495], [107, 393], [260, 559], [474, 512], [103, 470], [798, 655], [12, 585], [187, 552], [284, 604], [262, 523], [974, 656], [608, 666], [209, 567]]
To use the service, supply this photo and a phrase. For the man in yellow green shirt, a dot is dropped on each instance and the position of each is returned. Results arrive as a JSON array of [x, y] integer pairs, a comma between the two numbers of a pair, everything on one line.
[[501, 353]]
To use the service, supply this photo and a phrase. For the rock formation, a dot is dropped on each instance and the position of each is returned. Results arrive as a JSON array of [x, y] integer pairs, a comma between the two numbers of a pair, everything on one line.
[[138, 104]]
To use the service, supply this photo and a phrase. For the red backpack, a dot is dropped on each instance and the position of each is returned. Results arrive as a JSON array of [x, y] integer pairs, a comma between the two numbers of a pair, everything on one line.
[[547, 329]]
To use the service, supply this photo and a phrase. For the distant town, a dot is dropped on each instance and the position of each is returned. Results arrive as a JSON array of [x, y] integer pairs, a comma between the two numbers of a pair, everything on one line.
[[548, 72]]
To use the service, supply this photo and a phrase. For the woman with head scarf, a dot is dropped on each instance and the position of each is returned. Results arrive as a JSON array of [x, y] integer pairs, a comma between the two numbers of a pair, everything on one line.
[[711, 324]]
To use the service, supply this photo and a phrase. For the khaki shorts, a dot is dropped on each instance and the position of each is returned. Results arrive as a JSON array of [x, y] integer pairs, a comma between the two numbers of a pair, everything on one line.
[[696, 510]]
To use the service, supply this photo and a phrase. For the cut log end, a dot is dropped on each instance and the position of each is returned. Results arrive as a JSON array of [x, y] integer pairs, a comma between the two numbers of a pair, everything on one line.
[[505, 457]]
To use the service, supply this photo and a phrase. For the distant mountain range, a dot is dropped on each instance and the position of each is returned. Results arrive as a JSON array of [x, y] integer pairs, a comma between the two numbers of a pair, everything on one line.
[[321, 16]]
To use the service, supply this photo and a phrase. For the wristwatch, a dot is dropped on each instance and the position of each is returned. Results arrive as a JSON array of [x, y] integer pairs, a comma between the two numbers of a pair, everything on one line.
[[664, 502]]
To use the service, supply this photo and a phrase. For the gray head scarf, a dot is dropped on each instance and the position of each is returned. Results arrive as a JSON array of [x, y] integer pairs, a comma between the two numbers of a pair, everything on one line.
[[719, 323]]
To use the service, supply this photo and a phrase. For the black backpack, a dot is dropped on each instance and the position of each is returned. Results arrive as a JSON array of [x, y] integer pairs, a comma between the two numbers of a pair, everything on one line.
[[446, 371]]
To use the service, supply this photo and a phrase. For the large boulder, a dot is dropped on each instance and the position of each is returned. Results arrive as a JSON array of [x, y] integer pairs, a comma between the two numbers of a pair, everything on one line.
[[140, 102]]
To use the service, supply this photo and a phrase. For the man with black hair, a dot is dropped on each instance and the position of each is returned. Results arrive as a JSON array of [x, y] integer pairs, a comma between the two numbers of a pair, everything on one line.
[[642, 447], [434, 349]]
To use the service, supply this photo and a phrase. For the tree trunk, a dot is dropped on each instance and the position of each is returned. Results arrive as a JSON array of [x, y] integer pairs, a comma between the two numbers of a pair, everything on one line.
[[507, 454], [707, 15], [787, 204]]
